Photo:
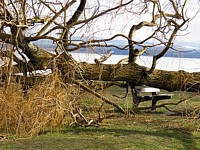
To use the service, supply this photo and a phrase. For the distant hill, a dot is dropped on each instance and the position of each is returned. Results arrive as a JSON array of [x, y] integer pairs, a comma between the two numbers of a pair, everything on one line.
[[187, 50]]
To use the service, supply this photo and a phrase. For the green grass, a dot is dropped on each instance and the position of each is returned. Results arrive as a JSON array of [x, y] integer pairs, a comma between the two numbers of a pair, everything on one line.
[[143, 131]]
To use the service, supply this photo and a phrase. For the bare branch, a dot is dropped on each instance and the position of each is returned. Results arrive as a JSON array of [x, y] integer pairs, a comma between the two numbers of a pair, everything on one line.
[[55, 16], [100, 96], [132, 53]]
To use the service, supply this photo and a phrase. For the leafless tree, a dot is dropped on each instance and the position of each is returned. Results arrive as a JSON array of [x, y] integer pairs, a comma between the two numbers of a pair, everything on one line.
[[25, 21]]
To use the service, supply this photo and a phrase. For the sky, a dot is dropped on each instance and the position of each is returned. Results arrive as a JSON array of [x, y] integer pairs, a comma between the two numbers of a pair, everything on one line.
[[120, 21], [124, 22], [111, 24]]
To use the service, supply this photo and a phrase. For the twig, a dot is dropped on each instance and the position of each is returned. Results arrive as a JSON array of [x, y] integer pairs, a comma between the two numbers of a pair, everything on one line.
[[99, 96]]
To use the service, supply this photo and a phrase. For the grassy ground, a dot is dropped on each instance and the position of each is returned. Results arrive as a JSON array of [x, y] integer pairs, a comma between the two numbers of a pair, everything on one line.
[[145, 130]]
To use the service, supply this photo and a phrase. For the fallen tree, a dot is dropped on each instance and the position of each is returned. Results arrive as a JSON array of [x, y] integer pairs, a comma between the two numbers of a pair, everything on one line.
[[41, 101], [60, 28], [138, 75]]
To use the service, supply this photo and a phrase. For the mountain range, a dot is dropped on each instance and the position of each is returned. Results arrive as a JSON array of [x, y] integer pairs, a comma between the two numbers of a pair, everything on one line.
[[181, 50]]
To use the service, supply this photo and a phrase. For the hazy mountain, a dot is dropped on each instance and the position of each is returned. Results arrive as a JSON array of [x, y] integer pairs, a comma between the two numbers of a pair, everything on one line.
[[183, 50]]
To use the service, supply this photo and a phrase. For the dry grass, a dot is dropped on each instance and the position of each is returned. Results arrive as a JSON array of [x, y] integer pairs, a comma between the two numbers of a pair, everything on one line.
[[46, 105], [51, 103]]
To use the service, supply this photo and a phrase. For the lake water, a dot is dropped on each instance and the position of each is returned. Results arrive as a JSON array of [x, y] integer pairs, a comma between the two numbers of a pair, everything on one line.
[[164, 63]]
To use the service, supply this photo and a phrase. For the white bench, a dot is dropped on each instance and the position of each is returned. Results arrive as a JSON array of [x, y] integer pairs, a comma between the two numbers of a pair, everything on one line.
[[154, 95]]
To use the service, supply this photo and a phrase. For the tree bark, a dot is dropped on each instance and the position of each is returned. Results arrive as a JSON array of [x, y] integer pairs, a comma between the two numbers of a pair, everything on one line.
[[133, 73]]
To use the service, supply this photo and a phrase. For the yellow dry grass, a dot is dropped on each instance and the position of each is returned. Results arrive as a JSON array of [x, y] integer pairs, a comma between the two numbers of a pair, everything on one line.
[[46, 105]]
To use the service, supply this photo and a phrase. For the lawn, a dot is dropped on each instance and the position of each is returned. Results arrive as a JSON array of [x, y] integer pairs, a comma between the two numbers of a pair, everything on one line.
[[144, 130]]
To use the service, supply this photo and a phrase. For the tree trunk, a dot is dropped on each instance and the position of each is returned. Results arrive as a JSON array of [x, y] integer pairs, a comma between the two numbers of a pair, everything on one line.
[[133, 73]]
